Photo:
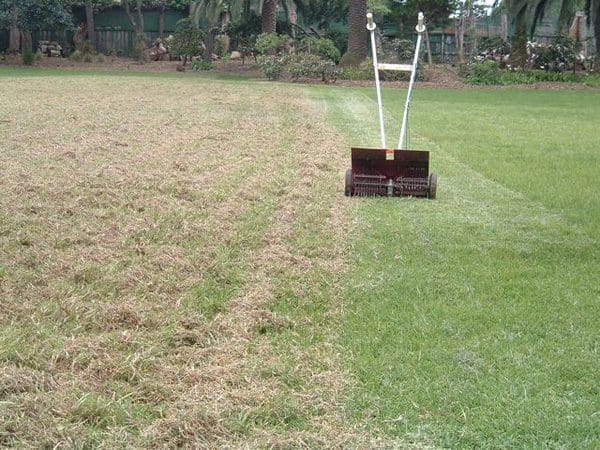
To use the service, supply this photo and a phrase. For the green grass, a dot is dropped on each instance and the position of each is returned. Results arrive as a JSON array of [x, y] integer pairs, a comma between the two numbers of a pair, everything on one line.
[[473, 319]]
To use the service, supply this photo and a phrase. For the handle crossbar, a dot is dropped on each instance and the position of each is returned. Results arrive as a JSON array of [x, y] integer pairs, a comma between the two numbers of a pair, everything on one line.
[[397, 67]]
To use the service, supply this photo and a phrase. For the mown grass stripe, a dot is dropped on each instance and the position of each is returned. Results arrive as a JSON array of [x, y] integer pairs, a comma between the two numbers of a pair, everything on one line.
[[471, 318]]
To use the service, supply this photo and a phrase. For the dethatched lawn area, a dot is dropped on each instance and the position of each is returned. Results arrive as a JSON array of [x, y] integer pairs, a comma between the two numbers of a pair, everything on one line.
[[147, 226]]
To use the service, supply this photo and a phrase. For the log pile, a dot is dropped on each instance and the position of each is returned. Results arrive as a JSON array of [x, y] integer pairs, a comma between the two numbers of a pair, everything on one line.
[[50, 48], [161, 49]]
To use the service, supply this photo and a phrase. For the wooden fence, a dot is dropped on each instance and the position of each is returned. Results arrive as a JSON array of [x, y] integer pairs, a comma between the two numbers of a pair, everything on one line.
[[120, 42]]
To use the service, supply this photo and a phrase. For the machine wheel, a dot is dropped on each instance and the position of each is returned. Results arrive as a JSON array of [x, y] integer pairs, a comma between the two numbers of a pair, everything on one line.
[[349, 185], [432, 186]]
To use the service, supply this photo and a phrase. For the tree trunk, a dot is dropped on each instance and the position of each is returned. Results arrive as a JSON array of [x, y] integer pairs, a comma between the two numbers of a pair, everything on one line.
[[226, 39], [268, 17], [26, 41], [428, 45], [137, 21], [209, 44], [89, 20], [140, 16], [357, 33], [161, 20], [460, 39], [518, 56], [597, 38], [14, 44]]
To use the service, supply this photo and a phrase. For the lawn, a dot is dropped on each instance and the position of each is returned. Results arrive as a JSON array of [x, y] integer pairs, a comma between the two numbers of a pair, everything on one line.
[[473, 320], [179, 266]]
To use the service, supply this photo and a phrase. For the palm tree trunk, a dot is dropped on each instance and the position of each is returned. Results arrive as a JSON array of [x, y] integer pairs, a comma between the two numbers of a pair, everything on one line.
[[357, 33], [89, 20], [269, 16]]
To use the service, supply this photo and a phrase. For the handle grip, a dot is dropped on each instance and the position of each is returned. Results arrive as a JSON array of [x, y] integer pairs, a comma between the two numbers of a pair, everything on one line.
[[420, 25], [370, 24]]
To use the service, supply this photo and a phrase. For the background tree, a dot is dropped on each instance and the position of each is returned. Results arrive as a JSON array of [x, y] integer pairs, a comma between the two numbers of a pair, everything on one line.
[[322, 13], [533, 13], [33, 15], [187, 40], [437, 14]]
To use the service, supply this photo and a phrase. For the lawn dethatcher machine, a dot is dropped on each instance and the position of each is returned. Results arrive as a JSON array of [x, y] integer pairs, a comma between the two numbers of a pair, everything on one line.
[[387, 171]]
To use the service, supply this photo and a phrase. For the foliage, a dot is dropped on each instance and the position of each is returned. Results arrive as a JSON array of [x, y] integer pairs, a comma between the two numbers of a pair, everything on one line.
[[245, 28], [138, 51], [272, 65], [35, 15], [493, 48], [364, 71], [398, 49], [325, 48], [340, 39], [484, 73], [270, 44], [219, 46], [28, 57], [311, 66], [201, 65], [558, 56], [489, 73], [437, 12], [323, 13], [187, 39]]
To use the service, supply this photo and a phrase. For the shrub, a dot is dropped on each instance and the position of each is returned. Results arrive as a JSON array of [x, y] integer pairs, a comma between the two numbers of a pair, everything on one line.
[[492, 48], [322, 47], [85, 47], [243, 33], [401, 49], [270, 44], [138, 50], [340, 39], [201, 65], [307, 65], [486, 73], [76, 56], [28, 57], [187, 39], [272, 65], [364, 71], [558, 56], [219, 46], [38, 56]]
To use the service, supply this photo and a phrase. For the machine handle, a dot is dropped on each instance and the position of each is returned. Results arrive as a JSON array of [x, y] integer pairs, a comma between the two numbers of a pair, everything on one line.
[[420, 25], [370, 24]]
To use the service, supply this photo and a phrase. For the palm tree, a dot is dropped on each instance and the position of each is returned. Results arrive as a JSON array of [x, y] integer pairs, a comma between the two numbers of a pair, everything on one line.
[[357, 33], [266, 8], [268, 16], [529, 13]]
